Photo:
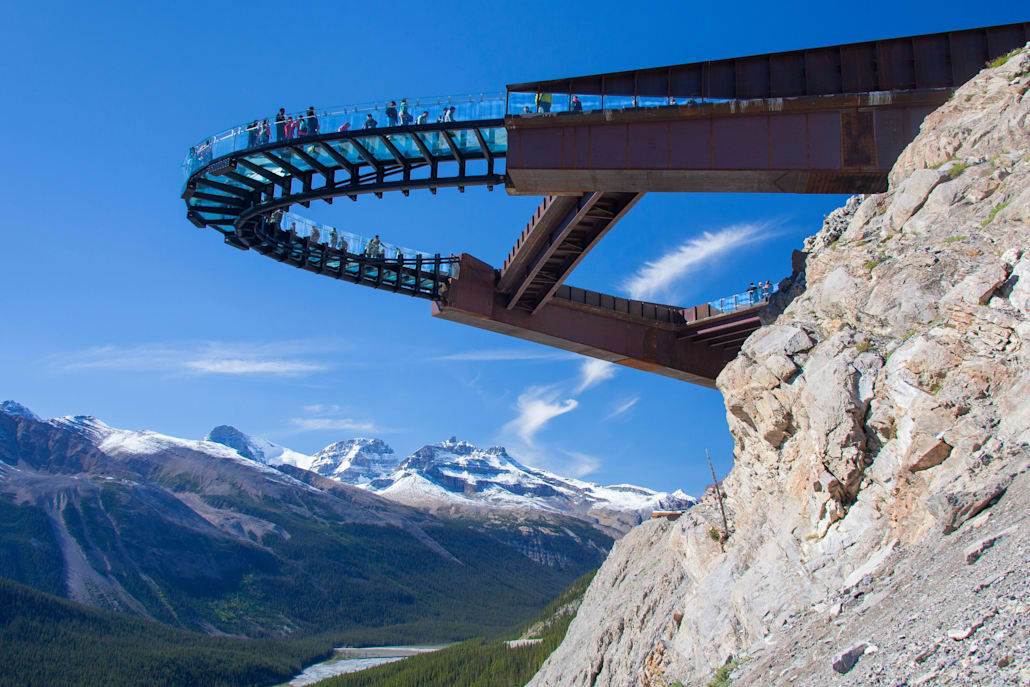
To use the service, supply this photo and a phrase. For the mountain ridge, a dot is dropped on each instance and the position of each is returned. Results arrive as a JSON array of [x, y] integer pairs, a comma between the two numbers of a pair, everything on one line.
[[195, 535], [455, 474]]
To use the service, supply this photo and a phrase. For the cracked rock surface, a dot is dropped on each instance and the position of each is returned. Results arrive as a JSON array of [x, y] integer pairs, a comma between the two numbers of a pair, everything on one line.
[[882, 438]]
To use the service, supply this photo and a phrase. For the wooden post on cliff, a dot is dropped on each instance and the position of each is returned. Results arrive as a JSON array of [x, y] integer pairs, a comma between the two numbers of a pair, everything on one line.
[[722, 508]]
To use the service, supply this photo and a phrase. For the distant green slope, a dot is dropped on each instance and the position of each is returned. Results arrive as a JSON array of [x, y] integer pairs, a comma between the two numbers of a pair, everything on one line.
[[477, 662], [50, 642]]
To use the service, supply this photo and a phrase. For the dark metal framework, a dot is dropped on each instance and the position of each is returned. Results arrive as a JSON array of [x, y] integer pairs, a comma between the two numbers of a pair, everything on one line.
[[285, 172], [421, 276], [939, 60], [563, 231]]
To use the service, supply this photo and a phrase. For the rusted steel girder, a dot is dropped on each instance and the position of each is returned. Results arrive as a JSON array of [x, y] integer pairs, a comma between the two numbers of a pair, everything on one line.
[[564, 229], [823, 144], [643, 336], [938, 60]]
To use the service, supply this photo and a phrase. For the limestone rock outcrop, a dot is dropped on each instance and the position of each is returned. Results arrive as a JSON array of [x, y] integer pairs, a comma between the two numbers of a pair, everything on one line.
[[885, 405]]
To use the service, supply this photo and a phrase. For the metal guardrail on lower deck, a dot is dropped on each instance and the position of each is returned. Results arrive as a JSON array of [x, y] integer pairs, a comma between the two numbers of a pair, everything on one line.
[[667, 314]]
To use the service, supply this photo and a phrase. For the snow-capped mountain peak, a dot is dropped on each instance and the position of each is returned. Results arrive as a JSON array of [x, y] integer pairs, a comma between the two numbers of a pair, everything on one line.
[[260, 450], [355, 461], [457, 473], [94, 429], [15, 408]]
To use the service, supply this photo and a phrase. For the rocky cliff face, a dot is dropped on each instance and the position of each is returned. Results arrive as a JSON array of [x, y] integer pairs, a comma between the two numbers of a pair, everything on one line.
[[882, 425]]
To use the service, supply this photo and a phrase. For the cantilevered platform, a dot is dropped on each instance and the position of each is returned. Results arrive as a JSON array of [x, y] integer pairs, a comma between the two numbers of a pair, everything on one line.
[[823, 120]]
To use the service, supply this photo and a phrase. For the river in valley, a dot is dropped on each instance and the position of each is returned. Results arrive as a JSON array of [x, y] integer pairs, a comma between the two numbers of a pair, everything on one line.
[[348, 660]]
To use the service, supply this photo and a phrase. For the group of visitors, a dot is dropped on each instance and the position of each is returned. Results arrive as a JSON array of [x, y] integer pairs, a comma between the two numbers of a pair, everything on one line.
[[333, 239], [759, 292], [544, 101], [306, 124]]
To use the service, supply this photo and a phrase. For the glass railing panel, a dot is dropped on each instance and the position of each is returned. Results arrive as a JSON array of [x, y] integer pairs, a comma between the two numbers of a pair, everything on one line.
[[199, 202], [228, 181], [318, 152], [405, 145], [298, 125], [374, 145], [348, 151], [435, 142], [496, 138], [295, 160]]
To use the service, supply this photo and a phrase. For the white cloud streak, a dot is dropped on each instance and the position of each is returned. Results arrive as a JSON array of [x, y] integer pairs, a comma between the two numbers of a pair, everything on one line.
[[581, 465], [505, 354], [282, 358], [623, 407], [657, 277], [317, 424], [592, 372], [246, 367], [536, 407]]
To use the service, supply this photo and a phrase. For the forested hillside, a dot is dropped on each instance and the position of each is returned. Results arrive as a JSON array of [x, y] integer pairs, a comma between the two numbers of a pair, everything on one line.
[[195, 536], [50, 642], [479, 662]]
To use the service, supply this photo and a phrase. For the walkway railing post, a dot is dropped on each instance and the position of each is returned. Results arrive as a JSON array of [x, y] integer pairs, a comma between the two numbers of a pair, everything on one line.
[[436, 276]]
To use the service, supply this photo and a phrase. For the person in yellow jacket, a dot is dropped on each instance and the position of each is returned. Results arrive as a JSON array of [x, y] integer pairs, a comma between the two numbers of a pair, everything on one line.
[[543, 102]]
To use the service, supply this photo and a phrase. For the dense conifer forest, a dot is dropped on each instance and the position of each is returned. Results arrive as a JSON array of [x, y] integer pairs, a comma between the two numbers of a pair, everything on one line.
[[478, 662], [46, 641], [49, 642]]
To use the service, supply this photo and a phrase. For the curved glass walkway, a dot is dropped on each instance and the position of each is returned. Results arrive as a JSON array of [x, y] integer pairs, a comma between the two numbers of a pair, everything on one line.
[[322, 249], [248, 172]]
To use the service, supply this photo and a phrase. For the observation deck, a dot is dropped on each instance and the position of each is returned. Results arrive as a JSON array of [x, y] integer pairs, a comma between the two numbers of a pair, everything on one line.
[[822, 120]]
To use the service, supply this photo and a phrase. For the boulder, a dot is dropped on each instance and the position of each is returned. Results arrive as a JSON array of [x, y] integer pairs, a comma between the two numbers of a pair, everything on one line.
[[911, 195]]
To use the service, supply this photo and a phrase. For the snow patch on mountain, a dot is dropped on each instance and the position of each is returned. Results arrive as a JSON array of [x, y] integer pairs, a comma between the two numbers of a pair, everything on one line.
[[260, 450], [457, 473], [355, 461], [15, 408]]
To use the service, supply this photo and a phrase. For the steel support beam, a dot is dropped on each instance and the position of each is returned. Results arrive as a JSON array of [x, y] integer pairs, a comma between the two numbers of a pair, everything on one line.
[[636, 342], [824, 144]]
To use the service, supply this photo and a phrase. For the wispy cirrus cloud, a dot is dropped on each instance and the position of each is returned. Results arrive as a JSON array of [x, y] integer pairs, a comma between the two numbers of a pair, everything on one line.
[[320, 408], [622, 407], [343, 424], [559, 461], [536, 407], [581, 464], [657, 277], [280, 358], [592, 372], [505, 354], [237, 366]]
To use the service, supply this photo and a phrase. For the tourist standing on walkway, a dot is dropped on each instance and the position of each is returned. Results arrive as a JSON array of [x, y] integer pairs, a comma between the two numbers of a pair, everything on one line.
[[452, 114], [280, 124], [423, 118], [343, 244], [266, 133], [577, 104], [312, 122], [405, 114], [252, 134], [291, 127], [374, 247], [543, 102], [391, 113], [369, 122], [752, 293], [315, 237], [768, 288], [332, 238]]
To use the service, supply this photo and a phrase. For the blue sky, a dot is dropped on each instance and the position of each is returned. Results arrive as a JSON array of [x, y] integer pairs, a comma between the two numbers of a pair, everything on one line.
[[114, 305]]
